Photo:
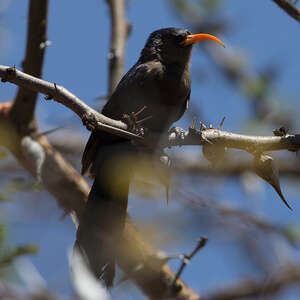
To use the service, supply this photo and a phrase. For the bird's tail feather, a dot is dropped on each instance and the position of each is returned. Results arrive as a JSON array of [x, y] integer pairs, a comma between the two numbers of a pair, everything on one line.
[[102, 223]]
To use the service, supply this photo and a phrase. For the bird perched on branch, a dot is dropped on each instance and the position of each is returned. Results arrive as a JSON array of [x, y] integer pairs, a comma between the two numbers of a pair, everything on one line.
[[155, 90]]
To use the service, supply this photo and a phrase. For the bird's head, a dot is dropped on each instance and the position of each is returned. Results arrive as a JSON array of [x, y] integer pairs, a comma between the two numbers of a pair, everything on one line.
[[173, 45]]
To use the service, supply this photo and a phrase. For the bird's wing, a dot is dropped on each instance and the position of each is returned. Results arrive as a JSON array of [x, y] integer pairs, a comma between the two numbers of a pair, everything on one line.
[[184, 107], [124, 100], [130, 95]]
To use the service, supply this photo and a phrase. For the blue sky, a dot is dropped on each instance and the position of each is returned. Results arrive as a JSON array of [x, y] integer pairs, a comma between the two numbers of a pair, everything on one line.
[[77, 59]]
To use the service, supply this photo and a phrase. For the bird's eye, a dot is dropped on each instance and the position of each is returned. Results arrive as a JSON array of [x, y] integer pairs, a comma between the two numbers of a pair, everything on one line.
[[180, 38]]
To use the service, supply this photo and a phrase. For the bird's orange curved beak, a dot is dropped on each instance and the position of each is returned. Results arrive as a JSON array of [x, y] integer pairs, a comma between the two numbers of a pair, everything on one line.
[[195, 38]]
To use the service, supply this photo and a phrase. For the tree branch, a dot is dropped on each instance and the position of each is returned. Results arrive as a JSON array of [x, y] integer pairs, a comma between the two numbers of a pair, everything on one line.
[[58, 93], [119, 33], [22, 111], [290, 8], [194, 202], [94, 120]]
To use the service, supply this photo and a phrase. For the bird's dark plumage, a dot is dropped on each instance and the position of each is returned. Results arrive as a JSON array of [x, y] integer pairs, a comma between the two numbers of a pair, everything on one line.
[[160, 80]]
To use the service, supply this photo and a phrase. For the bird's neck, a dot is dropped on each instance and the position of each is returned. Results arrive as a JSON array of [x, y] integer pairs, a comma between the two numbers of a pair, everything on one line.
[[172, 67], [177, 67], [150, 53]]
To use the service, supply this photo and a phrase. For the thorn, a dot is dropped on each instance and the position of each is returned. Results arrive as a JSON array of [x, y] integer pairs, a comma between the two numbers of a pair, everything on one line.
[[265, 167], [221, 123], [202, 126], [279, 192], [49, 96]]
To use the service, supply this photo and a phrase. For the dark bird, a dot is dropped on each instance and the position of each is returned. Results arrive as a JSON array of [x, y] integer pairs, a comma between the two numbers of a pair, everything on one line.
[[158, 86]]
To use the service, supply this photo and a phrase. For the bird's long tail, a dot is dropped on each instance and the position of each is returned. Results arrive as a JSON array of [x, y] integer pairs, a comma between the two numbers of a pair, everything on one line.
[[102, 223]]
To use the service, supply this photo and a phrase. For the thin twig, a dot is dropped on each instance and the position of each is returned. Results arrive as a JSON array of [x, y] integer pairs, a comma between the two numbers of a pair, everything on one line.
[[290, 8], [186, 259], [194, 202]]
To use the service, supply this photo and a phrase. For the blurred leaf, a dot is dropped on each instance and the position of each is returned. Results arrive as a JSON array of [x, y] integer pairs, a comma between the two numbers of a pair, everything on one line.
[[293, 233], [9, 254], [210, 5], [2, 235], [4, 197], [256, 88], [195, 10], [18, 184], [3, 153]]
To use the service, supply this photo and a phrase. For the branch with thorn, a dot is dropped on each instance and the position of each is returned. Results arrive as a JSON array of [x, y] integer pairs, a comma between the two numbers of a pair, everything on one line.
[[187, 258], [214, 140], [96, 121]]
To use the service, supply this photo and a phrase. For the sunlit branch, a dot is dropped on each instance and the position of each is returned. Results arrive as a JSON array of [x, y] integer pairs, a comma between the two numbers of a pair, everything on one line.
[[94, 120]]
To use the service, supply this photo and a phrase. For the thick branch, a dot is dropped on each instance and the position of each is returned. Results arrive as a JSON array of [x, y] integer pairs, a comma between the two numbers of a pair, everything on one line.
[[290, 8], [22, 112], [119, 32]]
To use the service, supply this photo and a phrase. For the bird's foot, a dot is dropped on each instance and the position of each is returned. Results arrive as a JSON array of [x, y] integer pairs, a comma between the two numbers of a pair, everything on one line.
[[88, 122], [135, 125]]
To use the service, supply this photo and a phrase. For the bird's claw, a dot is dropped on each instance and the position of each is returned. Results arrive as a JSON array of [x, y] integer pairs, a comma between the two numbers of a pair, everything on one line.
[[135, 125], [221, 123], [87, 122]]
